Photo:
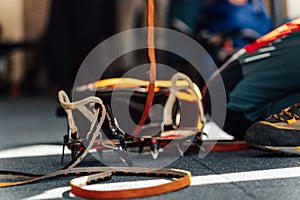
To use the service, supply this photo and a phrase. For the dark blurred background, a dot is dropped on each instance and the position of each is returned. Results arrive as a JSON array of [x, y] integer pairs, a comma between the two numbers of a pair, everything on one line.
[[43, 42]]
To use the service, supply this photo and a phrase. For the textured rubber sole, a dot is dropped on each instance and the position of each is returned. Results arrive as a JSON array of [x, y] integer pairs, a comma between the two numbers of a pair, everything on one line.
[[295, 150]]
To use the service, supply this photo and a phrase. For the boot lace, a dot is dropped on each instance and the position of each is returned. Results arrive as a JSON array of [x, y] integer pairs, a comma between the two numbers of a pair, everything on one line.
[[287, 115]]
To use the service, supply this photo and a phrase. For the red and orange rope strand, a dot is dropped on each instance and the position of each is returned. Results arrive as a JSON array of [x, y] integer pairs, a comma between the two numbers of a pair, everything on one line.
[[152, 71]]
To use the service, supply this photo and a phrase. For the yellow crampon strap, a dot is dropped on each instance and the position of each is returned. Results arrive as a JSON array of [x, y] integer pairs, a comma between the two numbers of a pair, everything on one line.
[[132, 83]]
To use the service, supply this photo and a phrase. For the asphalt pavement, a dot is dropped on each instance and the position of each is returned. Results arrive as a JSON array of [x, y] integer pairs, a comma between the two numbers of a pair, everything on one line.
[[31, 138]]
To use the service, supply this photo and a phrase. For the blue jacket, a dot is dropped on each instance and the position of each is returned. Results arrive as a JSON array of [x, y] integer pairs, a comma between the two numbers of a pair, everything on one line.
[[218, 16]]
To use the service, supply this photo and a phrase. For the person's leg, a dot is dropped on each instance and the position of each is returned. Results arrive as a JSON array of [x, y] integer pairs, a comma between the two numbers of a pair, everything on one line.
[[235, 122], [268, 76]]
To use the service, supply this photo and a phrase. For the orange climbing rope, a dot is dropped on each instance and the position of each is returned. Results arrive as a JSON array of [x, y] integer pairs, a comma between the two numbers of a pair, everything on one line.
[[152, 71]]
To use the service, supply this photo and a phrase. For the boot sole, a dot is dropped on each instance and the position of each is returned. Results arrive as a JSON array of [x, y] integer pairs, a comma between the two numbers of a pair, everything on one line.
[[295, 150]]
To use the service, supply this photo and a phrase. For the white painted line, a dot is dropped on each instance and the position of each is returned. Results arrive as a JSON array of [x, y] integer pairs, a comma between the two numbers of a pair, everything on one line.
[[247, 176], [196, 181], [33, 151], [211, 179], [56, 193]]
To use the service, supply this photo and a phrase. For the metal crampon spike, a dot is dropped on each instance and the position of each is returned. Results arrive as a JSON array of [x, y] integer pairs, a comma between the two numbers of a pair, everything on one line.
[[100, 153], [198, 142], [141, 149], [154, 146], [155, 154], [125, 157], [179, 146], [117, 153], [119, 134], [63, 154]]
